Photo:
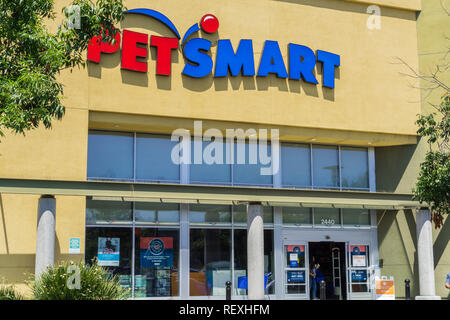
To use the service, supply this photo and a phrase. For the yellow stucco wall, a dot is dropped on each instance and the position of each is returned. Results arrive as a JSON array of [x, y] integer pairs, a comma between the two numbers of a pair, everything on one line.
[[18, 223]]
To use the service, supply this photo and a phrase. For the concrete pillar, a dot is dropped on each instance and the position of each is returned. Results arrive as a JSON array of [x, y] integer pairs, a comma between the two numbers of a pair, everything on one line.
[[255, 251], [425, 256], [45, 234]]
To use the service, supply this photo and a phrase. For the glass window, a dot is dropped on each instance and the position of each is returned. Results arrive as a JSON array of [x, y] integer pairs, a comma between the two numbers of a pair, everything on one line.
[[295, 273], [356, 217], [156, 213], [354, 168], [108, 212], [297, 216], [326, 217], [240, 261], [210, 214], [248, 170], [153, 158], [214, 169], [110, 155], [210, 261], [359, 255], [112, 249], [240, 215], [156, 262], [325, 167], [296, 165]]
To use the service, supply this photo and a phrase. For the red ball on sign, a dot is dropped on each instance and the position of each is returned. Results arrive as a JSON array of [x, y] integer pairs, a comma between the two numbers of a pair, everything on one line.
[[209, 23]]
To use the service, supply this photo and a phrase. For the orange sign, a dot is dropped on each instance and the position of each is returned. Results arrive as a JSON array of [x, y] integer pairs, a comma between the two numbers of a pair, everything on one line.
[[385, 289]]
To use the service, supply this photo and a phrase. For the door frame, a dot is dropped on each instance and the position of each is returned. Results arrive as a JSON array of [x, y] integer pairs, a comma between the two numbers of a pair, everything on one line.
[[348, 236]]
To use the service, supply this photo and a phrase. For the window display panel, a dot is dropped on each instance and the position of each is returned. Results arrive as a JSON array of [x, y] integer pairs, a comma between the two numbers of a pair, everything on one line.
[[297, 216], [110, 155], [356, 217], [240, 261], [354, 168], [248, 171], [156, 262], [240, 215], [214, 169], [210, 261], [295, 273], [296, 165], [153, 158], [108, 212], [148, 213], [111, 247], [327, 217], [325, 167], [201, 214], [359, 261]]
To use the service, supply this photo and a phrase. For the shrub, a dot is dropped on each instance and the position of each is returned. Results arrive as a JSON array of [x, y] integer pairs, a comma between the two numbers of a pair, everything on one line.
[[9, 293], [60, 283]]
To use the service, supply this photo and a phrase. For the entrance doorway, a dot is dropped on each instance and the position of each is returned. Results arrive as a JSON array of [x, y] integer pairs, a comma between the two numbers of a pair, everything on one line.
[[330, 256]]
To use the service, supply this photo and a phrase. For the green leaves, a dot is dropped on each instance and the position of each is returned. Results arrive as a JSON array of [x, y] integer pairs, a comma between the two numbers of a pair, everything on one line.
[[433, 184], [95, 283], [31, 57]]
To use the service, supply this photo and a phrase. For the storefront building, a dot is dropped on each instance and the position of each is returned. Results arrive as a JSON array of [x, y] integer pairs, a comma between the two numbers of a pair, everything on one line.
[[142, 173]]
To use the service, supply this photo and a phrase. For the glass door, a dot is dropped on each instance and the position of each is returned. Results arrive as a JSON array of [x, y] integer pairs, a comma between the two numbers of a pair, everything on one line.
[[296, 275], [358, 271]]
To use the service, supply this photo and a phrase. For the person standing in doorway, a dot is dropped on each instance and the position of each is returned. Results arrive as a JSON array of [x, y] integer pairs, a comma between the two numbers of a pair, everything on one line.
[[312, 280]]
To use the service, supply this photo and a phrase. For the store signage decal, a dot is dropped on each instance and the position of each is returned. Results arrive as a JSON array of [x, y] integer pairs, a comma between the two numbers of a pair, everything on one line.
[[74, 246], [385, 288], [358, 256], [108, 252], [301, 59], [156, 252], [296, 255], [296, 276]]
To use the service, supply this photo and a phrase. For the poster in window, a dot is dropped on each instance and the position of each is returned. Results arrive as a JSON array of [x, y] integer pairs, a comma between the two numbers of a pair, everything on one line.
[[296, 255], [296, 276], [359, 257], [359, 275], [108, 252], [156, 252]]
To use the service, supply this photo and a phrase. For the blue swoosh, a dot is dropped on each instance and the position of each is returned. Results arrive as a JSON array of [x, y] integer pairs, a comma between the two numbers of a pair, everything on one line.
[[191, 30], [158, 16]]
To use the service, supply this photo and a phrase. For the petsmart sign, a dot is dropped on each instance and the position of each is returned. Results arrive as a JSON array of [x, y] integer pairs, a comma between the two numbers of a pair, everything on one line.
[[231, 61]]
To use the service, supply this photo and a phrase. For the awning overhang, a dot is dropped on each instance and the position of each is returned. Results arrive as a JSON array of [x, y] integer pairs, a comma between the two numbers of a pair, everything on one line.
[[201, 194]]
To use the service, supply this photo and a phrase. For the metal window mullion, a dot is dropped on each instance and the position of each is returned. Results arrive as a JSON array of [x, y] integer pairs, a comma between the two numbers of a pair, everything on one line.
[[232, 253], [371, 168], [312, 165], [134, 156], [340, 167], [133, 240], [232, 154]]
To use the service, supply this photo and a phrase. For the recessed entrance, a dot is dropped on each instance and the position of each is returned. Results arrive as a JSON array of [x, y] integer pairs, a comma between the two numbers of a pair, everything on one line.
[[330, 256]]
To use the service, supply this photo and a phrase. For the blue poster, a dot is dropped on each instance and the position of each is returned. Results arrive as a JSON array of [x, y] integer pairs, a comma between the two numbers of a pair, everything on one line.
[[156, 252], [108, 253], [296, 276], [359, 275]]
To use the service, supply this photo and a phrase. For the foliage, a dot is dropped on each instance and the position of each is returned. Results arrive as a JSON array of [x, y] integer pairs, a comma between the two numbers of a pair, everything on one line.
[[95, 283], [31, 57], [7, 292], [433, 185]]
